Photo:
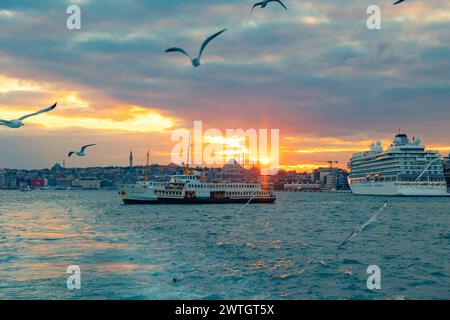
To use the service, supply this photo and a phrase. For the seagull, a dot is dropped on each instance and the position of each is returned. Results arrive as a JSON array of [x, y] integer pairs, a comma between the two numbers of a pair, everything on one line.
[[196, 61], [399, 1], [15, 124], [264, 4], [81, 152]]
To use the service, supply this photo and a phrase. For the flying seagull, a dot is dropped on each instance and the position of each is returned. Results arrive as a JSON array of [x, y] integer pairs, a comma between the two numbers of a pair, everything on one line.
[[81, 152], [196, 61], [264, 4], [399, 1], [373, 218], [15, 124]]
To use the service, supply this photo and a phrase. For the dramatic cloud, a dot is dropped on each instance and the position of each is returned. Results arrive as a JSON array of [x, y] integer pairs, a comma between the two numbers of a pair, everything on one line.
[[315, 72]]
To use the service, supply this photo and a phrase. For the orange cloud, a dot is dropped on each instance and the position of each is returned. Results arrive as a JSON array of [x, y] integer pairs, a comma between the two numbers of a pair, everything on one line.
[[76, 111], [8, 85], [300, 167]]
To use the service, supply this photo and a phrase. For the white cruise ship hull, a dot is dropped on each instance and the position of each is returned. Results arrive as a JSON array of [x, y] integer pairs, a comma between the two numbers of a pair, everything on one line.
[[139, 194], [400, 189]]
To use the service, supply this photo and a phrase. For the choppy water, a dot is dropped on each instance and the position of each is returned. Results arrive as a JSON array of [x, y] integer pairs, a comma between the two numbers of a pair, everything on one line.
[[287, 250]]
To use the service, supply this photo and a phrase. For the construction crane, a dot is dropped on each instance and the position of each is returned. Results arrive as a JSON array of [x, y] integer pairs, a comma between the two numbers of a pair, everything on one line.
[[330, 162]]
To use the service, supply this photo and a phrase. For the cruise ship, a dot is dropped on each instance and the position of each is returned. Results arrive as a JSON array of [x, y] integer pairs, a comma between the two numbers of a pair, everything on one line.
[[405, 168], [191, 188]]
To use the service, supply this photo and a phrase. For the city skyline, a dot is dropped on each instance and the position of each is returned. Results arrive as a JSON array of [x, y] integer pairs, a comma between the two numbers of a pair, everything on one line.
[[110, 178], [316, 72]]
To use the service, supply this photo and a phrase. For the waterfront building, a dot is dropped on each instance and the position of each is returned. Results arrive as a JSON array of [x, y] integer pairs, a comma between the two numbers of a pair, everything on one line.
[[91, 184], [320, 174], [305, 187], [38, 183], [331, 178], [232, 171]]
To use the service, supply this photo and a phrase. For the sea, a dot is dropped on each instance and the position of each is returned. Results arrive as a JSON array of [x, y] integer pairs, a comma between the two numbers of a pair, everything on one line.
[[291, 249]]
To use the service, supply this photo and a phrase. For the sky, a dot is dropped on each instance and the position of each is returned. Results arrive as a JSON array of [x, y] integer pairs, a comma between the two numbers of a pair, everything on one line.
[[315, 72]]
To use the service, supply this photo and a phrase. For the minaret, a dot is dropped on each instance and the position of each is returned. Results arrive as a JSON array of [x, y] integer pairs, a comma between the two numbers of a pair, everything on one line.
[[131, 158]]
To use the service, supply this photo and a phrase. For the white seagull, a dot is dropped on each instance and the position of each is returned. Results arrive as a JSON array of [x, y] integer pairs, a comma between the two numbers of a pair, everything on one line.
[[400, 1], [196, 61], [17, 123], [81, 152], [264, 4]]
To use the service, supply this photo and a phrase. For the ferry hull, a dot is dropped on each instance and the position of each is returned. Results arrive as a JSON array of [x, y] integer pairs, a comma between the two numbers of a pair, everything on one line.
[[399, 189], [196, 201]]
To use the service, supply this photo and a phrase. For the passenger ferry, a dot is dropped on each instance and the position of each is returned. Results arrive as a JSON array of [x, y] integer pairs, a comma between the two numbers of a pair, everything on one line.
[[191, 188], [405, 168]]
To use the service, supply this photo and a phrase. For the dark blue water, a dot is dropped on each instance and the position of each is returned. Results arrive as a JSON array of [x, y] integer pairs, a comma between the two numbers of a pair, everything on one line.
[[287, 250]]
